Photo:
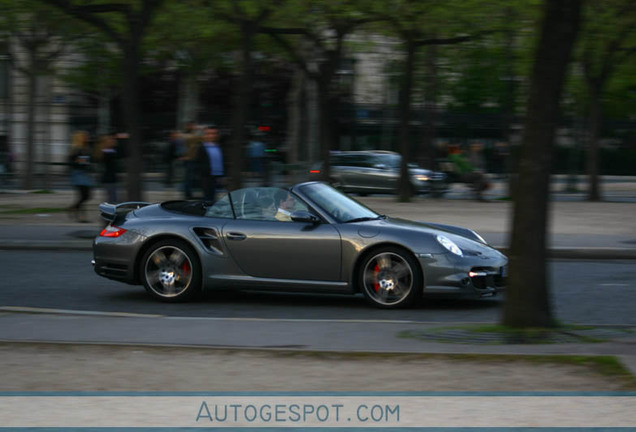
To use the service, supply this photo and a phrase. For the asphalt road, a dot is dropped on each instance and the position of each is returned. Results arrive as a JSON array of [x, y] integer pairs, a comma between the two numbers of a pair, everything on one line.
[[583, 292]]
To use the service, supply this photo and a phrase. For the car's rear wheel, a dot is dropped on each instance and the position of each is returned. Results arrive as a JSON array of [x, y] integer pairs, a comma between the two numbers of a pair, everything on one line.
[[171, 271], [390, 278]]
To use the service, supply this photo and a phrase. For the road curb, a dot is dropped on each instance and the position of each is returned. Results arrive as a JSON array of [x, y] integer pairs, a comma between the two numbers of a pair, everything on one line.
[[587, 253]]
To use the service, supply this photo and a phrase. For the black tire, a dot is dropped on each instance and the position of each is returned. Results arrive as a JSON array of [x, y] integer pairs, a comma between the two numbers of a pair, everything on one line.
[[390, 278], [170, 271]]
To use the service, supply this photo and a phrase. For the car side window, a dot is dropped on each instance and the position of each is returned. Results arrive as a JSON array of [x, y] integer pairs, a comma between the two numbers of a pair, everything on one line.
[[220, 209], [266, 204], [356, 161], [338, 160]]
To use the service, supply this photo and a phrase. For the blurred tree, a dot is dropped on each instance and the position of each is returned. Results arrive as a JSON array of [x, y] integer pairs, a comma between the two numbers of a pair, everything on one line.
[[188, 36], [98, 76], [324, 26], [417, 24], [125, 23], [608, 40], [489, 75], [248, 17], [527, 300], [43, 37]]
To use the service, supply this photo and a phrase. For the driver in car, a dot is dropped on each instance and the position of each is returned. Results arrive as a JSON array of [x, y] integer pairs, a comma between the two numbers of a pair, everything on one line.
[[285, 203]]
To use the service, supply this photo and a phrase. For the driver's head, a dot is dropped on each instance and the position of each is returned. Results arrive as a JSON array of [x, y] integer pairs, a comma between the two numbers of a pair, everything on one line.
[[284, 199]]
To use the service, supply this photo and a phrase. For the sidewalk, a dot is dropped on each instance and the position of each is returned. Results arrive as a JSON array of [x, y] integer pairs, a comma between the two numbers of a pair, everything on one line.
[[198, 354], [579, 229]]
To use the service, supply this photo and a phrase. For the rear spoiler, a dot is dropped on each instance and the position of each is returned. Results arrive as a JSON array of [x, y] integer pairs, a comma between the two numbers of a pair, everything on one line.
[[110, 212]]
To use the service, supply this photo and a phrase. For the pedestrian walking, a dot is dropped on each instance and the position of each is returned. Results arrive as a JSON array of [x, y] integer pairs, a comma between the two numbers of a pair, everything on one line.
[[80, 164], [173, 150], [192, 142], [107, 156], [210, 161], [467, 173]]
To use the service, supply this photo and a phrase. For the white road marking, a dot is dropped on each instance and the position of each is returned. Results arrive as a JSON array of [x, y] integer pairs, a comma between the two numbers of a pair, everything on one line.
[[21, 309]]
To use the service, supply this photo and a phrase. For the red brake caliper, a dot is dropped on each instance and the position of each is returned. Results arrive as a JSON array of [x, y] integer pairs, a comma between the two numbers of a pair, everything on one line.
[[376, 285], [186, 267]]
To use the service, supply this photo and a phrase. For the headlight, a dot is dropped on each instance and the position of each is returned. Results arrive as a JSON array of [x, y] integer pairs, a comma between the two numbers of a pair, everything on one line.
[[421, 177], [450, 245]]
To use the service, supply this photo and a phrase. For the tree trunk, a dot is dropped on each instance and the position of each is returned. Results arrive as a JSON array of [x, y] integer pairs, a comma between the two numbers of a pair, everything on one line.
[[527, 300], [48, 134], [188, 100], [594, 132], [428, 152], [326, 123], [328, 108], [103, 113], [132, 111], [404, 184], [240, 109], [295, 110], [27, 181], [509, 164], [312, 121]]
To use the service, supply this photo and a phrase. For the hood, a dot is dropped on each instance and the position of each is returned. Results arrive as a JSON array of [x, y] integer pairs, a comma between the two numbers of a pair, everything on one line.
[[420, 171], [465, 238]]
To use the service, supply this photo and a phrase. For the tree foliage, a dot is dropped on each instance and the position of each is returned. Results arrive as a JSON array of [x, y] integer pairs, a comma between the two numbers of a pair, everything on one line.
[[609, 40], [41, 38], [125, 23]]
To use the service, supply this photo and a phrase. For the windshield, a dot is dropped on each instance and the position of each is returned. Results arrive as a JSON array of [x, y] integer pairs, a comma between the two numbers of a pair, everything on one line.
[[338, 205], [391, 161]]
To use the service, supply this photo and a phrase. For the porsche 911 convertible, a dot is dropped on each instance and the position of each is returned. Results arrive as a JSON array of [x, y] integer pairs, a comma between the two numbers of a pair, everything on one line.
[[309, 237]]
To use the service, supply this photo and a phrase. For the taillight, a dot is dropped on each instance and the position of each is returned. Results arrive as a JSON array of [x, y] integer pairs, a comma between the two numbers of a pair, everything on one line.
[[112, 231], [314, 172]]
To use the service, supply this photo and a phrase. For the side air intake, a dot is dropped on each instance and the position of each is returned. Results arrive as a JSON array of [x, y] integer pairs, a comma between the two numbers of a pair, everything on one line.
[[210, 239]]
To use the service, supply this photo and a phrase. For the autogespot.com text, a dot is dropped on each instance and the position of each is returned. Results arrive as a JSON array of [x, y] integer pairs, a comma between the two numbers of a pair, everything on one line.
[[298, 413]]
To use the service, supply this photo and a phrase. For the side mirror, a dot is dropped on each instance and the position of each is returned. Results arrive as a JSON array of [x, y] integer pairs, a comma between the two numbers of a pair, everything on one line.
[[380, 166], [304, 216]]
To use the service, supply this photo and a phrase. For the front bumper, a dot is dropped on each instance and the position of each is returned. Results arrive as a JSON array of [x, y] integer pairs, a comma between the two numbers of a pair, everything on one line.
[[482, 276], [430, 186]]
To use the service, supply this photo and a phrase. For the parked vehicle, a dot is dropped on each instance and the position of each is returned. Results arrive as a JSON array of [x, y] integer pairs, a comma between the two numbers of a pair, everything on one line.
[[378, 171], [329, 244]]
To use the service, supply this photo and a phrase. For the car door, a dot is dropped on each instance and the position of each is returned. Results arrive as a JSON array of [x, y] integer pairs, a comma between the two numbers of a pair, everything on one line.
[[345, 170], [284, 249], [383, 177], [362, 172]]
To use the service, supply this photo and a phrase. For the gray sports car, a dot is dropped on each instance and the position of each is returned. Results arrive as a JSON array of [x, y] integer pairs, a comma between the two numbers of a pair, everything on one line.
[[310, 237]]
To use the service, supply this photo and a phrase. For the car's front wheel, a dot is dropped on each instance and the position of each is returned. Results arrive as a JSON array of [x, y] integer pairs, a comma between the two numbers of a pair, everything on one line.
[[390, 278], [170, 271]]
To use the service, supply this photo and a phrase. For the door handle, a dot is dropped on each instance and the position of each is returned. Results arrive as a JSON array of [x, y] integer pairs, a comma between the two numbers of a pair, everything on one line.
[[236, 236]]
